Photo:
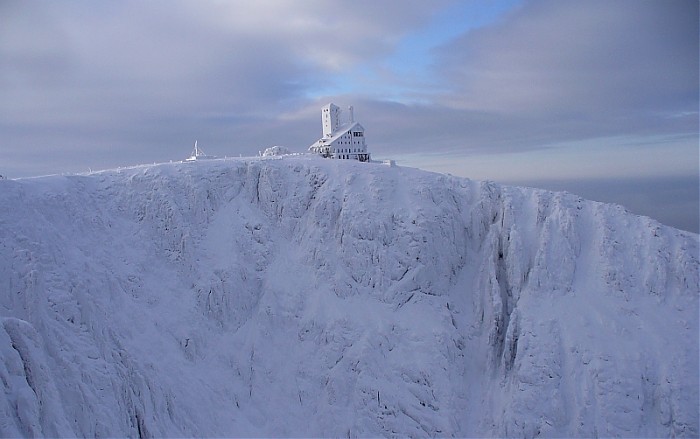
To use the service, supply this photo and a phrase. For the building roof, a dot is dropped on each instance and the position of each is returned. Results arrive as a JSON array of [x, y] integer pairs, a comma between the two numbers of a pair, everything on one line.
[[337, 134], [341, 131]]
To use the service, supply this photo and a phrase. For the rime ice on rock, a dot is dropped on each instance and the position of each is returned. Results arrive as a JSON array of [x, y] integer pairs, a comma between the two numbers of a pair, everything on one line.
[[292, 298], [346, 141], [276, 150]]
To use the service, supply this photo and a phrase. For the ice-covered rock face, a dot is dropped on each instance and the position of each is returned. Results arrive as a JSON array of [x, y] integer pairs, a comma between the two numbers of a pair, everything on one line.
[[309, 297]]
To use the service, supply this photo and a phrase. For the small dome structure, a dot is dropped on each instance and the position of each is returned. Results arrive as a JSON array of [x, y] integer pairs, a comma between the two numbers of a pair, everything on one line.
[[276, 151]]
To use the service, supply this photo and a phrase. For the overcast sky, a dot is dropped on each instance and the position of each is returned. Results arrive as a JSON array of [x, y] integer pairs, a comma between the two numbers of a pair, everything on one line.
[[597, 97]]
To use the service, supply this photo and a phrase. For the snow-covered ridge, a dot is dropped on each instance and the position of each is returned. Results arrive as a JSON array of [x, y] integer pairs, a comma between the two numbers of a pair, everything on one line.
[[310, 297]]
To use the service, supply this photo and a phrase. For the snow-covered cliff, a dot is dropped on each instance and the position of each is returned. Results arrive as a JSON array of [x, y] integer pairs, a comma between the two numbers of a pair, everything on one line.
[[309, 297]]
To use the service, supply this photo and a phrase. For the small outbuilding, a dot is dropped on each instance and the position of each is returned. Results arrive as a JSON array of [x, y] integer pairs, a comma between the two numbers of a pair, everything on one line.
[[341, 141]]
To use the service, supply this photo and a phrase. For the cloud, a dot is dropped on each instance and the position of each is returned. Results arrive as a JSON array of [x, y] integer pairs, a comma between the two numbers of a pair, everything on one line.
[[555, 55], [256, 52], [575, 69], [137, 59]]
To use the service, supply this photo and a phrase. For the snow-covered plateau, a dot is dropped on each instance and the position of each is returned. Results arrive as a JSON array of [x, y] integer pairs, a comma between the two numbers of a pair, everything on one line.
[[298, 296]]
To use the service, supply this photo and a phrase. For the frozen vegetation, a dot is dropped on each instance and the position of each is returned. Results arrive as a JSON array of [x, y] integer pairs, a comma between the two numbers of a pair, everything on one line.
[[307, 297]]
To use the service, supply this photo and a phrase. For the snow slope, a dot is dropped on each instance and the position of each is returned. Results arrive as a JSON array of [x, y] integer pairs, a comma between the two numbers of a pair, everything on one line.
[[309, 297]]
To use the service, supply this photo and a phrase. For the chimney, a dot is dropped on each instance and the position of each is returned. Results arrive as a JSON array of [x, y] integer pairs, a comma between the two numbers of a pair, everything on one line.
[[352, 115]]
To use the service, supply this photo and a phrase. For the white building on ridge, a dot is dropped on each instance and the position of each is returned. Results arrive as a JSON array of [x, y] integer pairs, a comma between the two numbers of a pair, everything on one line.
[[346, 141]]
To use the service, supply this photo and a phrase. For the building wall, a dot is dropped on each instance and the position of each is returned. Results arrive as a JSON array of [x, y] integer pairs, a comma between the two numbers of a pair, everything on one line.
[[330, 116], [350, 145]]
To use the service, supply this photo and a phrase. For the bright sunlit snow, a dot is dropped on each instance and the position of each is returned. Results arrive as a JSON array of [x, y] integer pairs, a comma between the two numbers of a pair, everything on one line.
[[297, 296]]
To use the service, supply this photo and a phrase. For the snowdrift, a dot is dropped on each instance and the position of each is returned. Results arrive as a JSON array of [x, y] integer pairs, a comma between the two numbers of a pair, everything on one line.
[[310, 297]]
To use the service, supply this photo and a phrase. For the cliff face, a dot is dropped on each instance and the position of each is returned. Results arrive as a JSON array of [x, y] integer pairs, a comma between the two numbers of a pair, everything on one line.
[[308, 297]]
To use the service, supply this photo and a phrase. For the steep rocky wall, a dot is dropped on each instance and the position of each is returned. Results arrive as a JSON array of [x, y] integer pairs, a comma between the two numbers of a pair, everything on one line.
[[303, 297]]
